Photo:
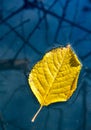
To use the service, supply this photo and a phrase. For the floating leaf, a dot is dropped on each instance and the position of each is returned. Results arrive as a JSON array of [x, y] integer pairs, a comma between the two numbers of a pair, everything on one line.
[[54, 78]]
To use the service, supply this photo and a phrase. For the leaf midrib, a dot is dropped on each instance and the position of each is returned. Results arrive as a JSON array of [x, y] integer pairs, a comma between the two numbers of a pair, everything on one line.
[[55, 75]]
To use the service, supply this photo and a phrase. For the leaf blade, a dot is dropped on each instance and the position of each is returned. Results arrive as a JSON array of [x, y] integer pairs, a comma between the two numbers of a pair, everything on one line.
[[54, 78]]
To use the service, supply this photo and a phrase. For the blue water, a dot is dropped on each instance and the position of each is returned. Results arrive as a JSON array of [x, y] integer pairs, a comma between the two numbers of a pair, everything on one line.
[[28, 31]]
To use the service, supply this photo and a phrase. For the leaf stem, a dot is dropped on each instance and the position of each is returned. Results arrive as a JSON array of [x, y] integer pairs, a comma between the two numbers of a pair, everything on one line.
[[33, 119]]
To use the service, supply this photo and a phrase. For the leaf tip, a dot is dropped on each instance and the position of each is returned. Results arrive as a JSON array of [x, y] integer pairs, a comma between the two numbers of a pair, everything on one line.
[[68, 46]]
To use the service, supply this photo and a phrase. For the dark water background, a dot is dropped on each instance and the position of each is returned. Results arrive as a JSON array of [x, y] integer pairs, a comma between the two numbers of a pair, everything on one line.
[[28, 29]]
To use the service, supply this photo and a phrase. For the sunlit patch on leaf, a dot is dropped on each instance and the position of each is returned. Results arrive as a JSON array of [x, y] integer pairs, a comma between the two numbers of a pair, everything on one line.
[[54, 78]]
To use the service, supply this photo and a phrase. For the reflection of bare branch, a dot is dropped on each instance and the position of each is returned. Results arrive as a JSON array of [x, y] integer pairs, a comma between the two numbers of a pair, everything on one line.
[[25, 42], [11, 64], [46, 11], [11, 15], [7, 33], [31, 33], [59, 17]]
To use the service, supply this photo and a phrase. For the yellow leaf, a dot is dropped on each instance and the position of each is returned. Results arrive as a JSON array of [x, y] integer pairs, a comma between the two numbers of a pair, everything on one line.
[[54, 78]]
